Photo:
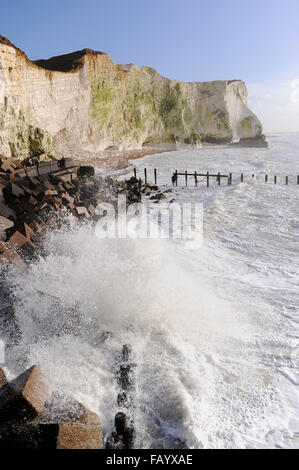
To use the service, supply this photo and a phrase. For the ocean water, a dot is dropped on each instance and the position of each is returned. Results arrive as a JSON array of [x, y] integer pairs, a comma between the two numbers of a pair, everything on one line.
[[214, 329]]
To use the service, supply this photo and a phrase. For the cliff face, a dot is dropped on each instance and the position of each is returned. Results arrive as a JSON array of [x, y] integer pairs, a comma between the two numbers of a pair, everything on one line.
[[84, 101]]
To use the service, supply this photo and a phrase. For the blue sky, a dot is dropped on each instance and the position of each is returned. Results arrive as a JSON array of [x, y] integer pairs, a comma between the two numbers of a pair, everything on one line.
[[191, 40]]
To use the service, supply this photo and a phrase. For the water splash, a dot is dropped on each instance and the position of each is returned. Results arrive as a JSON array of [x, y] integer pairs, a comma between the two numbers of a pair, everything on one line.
[[210, 328]]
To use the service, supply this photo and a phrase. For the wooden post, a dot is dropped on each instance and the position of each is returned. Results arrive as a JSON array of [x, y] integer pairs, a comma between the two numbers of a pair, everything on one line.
[[155, 175], [242, 177], [186, 177], [126, 352], [176, 179], [266, 178], [287, 180], [120, 423], [208, 179], [145, 175], [297, 179], [139, 184], [252, 176], [275, 179], [195, 177], [135, 173], [230, 179], [219, 179]]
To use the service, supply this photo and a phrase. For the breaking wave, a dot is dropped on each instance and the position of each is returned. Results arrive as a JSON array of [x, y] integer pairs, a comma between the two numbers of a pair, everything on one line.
[[214, 329]]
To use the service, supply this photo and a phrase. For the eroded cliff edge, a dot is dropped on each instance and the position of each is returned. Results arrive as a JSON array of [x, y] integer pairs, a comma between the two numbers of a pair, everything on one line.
[[85, 102]]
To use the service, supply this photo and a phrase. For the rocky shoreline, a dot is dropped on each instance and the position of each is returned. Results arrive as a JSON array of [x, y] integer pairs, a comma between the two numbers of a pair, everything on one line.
[[113, 159], [36, 198]]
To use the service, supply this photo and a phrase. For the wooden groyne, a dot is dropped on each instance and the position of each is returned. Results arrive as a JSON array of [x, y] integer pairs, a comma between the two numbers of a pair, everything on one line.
[[124, 435], [198, 177]]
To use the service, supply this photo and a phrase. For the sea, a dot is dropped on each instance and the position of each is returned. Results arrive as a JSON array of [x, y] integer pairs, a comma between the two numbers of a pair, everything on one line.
[[213, 326]]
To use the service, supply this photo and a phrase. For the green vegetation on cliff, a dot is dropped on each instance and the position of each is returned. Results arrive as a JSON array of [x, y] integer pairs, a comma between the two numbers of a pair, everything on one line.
[[222, 118], [139, 109], [171, 109], [24, 140], [248, 124]]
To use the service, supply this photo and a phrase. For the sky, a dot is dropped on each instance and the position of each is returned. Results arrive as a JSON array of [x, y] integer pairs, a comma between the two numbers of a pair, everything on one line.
[[189, 40]]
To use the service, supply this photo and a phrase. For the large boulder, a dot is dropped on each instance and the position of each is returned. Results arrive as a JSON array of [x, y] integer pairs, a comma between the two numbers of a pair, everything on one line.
[[65, 410], [24, 398], [71, 425], [5, 224], [78, 436], [51, 436], [63, 424]]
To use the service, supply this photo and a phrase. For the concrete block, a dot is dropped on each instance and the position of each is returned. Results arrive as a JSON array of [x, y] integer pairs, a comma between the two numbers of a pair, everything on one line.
[[24, 398], [5, 211], [3, 379]]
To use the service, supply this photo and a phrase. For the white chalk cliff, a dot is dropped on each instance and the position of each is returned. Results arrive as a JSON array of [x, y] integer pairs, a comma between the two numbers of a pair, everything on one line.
[[84, 101]]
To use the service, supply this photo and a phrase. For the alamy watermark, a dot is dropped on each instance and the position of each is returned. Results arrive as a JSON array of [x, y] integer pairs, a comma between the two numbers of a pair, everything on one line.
[[150, 221]]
